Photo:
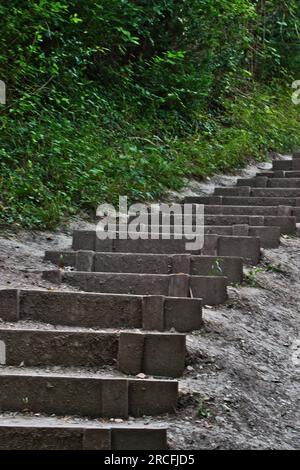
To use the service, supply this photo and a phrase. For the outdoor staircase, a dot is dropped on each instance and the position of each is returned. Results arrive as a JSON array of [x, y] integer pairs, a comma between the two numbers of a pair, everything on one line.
[[113, 349]]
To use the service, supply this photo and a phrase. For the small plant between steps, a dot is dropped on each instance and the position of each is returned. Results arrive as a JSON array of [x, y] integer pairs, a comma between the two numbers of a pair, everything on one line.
[[251, 277]]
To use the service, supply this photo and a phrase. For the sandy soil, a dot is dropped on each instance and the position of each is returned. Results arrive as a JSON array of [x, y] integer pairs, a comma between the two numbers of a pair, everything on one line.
[[241, 387]]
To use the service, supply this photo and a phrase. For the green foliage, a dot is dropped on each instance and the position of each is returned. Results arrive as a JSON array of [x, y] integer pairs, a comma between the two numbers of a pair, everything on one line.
[[251, 277], [203, 412], [131, 96]]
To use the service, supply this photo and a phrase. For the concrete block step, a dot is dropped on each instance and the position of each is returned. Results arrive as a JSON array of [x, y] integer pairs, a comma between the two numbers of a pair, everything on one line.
[[133, 353], [84, 395], [281, 174], [90, 310], [269, 235], [249, 211], [246, 191], [44, 433], [230, 267], [266, 174], [270, 182], [286, 165], [245, 201], [247, 248], [211, 289], [87, 240], [287, 225]]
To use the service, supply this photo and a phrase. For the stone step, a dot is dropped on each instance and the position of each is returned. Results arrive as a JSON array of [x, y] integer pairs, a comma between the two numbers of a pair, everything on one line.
[[244, 201], [44, 433], [230, 267], [133, 353], [280, 174], [268, 174], [246, 191], [286, 165], [90, 395], [212, 289], [269, 235], [91, 310], [247, 248], [270, 182], [250, 211], [287, 225]]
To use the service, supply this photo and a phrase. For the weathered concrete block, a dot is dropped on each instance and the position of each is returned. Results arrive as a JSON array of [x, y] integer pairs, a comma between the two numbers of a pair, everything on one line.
[[133, 263], [139, 439], [181, 264], [44, 348], [164, 354], [284, 211], [256, 220], [151, 246], [54, 276], [114, 398], [282, 165], [61, 258], [110, 310], [240, 230], [217, 230], [183, 314], [296, 165], [51, 394], [131, 353], [241, 211], [86, 396], [210, 245], [211, 289], [78, 309], [9, 305], [152, 397], [287, 225], [296, 213], [226, 219], [246, 182], [85, 261], [213, 200], [153, 313], [261, 181], [108, 245], [34, 435], [127, 283], [269, 236], [259, 201], [179, 285], [244, 191], [96, 439], [139, 284], [152, 354], [284, 183], [19, 435], [84, 240], [276, 192], [287, 165], [247, 248], [230, 267]]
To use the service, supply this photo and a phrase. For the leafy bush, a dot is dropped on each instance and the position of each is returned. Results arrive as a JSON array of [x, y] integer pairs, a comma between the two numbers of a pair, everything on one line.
[[131, 96]]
